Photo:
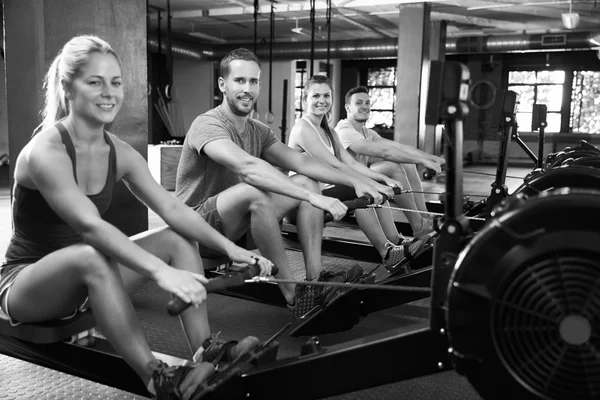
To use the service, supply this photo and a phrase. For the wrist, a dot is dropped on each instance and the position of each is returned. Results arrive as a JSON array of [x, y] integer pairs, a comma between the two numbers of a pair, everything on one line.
[[311, 197], [157, 269]]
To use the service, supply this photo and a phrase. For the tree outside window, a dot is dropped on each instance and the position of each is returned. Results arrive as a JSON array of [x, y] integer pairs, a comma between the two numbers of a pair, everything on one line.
[[585, 102], [381, 83]]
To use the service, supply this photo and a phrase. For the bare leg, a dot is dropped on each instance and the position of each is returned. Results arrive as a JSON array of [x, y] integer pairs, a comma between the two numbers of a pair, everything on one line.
[[180, 253], [386, 220], [309, 221], [55, 286], [243, 205], [407, 200], [415, 183], [369, 223]]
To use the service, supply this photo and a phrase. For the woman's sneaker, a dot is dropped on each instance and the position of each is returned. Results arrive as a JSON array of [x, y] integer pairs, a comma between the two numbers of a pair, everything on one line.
[[166, 381], [427, 227], [394, 254]]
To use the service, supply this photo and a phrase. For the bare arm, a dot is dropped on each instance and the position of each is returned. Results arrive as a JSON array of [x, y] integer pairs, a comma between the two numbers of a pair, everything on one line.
[[49, 169], [308, 139], [368, 172], [393, 151], [259, 173], [177, 215]]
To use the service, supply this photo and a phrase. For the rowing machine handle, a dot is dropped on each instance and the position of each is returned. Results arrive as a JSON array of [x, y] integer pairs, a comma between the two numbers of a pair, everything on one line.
[[360, 202], [176, 306]]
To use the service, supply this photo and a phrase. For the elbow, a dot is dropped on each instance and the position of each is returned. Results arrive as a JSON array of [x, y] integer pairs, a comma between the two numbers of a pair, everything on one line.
[[89, 229], [387, 153], [247, 171]]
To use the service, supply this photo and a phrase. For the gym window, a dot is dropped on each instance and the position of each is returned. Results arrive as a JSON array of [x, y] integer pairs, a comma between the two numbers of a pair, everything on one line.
[[381, 83], [538, 87], [300, 80], [585, 102], [572, 98]]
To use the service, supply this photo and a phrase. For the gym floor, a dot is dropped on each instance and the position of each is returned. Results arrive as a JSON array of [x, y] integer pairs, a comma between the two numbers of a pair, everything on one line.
[[237, 318]]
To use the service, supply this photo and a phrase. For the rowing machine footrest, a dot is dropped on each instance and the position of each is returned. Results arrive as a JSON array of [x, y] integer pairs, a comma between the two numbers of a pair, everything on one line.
[[49, 332]]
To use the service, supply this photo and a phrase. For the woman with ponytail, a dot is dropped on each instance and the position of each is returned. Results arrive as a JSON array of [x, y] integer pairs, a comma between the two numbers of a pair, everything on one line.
[[312, 135], [63, 257]]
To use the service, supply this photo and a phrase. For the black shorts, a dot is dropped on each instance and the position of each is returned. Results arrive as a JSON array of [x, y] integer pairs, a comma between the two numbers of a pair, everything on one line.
[[208, 211]]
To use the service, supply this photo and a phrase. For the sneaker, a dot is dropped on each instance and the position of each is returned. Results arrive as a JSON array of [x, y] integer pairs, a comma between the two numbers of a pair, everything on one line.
[[427, 227], [215, 349], [351, 275], [305, 300], [166, 380], [393, 255]]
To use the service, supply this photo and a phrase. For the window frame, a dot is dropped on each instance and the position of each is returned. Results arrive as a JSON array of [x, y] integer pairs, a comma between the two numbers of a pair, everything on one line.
[[565, 109]]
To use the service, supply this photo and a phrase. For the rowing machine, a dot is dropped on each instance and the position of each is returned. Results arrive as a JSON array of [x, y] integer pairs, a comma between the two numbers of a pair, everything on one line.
[[44, 344]]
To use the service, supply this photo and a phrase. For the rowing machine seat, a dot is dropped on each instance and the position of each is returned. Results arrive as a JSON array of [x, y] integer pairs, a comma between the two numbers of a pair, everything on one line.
[[49, 332]]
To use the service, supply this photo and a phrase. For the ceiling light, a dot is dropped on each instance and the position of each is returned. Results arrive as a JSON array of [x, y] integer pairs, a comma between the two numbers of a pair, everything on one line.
[[595, 40], [570, 20]]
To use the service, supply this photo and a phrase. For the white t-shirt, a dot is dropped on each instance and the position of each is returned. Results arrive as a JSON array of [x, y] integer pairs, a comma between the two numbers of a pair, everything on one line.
[[348, 135]]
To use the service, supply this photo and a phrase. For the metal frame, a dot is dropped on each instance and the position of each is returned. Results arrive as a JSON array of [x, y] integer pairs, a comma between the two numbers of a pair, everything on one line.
[[337, 369], [333, 369]]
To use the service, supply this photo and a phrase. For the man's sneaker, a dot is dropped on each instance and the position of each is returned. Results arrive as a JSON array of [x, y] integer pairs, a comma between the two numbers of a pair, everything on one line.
[[353, 273], [214, 349], [349, 275], [305, 300], [167, 380]]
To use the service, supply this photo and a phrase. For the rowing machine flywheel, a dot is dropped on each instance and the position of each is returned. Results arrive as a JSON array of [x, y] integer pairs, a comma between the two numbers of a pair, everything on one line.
[[523, 304], [573, 176], [583, 149]]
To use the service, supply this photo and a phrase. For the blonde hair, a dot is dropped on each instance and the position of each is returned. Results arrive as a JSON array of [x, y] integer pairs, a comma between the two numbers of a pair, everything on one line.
[[63, 70]]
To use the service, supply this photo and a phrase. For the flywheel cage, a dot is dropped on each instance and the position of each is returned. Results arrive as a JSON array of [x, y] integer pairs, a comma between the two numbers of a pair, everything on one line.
[[542, 325]]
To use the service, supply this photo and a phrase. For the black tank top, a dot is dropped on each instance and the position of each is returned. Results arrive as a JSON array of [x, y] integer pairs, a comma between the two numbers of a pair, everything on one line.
[[37, 229]]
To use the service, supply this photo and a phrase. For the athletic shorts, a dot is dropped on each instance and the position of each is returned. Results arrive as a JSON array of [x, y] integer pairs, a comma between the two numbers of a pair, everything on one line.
[[7, 278], [208, 211]]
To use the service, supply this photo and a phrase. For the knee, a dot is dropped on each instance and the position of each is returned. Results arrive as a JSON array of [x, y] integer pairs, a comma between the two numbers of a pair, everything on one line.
[[92, 264], [307, 183], [259, 200], [391, 169], [177, 243]]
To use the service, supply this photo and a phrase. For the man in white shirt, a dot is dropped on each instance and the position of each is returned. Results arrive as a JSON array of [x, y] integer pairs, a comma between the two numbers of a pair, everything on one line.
[[396, 160]]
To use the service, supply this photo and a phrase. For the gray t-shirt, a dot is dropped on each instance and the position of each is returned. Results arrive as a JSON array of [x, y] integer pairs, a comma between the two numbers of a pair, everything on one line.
[[198, 176]]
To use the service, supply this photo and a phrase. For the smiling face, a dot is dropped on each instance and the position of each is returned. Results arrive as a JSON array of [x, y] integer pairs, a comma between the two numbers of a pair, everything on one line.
[[318, 99], [359, 108], [241, 87], [96, 94]]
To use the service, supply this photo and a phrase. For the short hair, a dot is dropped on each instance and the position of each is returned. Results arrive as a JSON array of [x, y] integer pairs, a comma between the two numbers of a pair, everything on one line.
[[63, 70], [354, 90], [237, 54]]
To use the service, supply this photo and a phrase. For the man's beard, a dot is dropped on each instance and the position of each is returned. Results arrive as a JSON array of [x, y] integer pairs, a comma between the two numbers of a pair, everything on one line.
[[235, 109]]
